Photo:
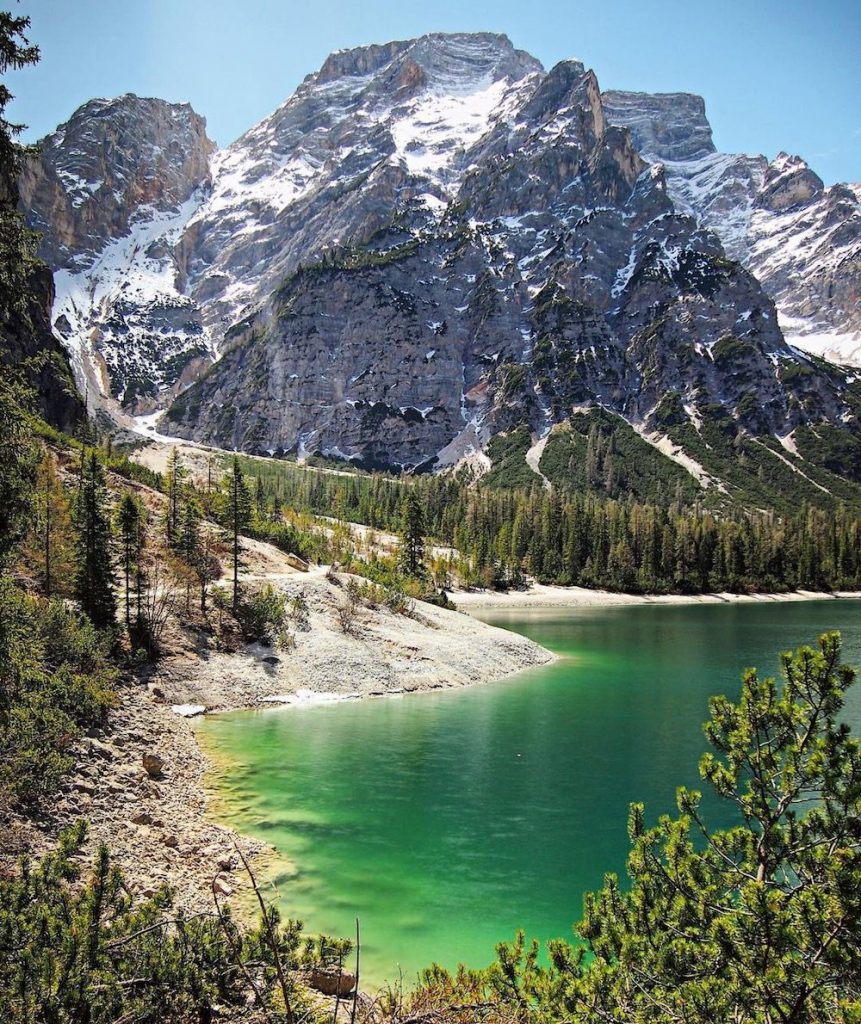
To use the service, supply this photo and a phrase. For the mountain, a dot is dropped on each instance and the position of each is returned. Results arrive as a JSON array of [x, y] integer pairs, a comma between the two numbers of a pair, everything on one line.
[[111, 192], [435, 243], [801, 239]]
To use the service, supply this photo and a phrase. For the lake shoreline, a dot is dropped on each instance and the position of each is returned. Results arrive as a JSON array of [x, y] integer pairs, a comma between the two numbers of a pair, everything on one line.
[[544, 597], [159, 823], [611, 720]]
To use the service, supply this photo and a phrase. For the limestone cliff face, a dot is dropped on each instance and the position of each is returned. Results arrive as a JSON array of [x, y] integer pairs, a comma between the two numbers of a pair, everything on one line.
[[28, 344], [112, 158], [432, 241], [667, 126]]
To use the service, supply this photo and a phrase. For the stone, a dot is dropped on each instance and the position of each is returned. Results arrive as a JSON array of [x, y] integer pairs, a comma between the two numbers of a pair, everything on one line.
[[153, 765], [96, 748], [222, 886], [329, 983]]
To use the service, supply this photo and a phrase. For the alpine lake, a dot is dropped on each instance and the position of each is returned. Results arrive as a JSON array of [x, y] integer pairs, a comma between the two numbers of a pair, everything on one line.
[[447, 820]]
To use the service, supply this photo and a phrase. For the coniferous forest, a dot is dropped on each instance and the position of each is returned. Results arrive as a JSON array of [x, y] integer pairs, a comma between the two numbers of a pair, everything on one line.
[[585, 540]]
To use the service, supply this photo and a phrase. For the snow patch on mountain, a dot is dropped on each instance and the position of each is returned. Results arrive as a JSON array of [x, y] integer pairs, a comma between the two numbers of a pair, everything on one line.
[[127, 308], [442, 124]]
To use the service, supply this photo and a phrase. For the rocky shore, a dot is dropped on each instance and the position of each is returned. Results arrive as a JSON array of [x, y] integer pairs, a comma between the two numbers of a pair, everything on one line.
[[141, 781], [140, 785]]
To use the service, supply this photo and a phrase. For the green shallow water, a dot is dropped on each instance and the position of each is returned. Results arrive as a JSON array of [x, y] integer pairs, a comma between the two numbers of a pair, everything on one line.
[[447, 820]]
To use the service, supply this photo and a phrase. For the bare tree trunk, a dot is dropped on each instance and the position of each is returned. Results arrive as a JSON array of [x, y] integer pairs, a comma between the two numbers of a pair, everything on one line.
[[356, 989]]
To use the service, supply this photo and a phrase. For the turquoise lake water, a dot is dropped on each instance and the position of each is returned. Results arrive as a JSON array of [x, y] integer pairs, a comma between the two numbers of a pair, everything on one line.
[[447, 820]]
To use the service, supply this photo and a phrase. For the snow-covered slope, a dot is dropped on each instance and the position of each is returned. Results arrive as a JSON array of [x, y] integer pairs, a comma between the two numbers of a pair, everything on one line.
[[112, 191], [373, 129]]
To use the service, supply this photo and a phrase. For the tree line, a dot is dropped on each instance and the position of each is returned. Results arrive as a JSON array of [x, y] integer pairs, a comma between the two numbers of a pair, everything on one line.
[[578, 539]]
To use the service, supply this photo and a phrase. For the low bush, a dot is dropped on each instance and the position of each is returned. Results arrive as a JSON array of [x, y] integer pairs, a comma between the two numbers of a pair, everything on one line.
[[56, 680], [82, 950], [263, 616]]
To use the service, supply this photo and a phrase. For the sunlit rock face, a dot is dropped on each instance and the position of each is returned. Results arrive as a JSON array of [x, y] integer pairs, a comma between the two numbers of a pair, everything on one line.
[[111, 191], [430, 242], [800, 239]]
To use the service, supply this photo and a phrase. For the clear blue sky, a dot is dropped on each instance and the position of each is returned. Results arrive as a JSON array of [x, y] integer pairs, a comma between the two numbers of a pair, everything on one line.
[[776, 74]]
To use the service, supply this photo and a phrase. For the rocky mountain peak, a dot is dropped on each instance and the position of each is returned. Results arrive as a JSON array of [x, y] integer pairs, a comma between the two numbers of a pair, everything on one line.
[[430, 242], [448, 60], [112, 157], [360, 60], [788, 182], [665, 126], [800, 239]]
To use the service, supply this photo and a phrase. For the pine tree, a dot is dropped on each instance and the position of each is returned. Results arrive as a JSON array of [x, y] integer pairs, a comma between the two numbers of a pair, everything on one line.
[[235, 516], [259, 499], [756, 922], [412, 533], [189, 548], [94, 579], [188, 540], [175, 477], [131, 524]]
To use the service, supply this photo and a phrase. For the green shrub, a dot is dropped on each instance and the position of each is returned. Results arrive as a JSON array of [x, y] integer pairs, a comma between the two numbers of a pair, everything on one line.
[[263, 616], [82, 950], [56, 680]]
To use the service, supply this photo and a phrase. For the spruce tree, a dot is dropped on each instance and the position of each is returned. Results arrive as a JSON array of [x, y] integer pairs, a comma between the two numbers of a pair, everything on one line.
[[175, 477], [94, 579], [411, 556], [131, 523], [259, 499], [188, 539], [235, 516]]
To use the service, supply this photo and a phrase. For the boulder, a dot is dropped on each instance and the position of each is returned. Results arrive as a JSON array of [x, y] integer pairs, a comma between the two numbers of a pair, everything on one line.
[[153, 765], [331, 983]]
